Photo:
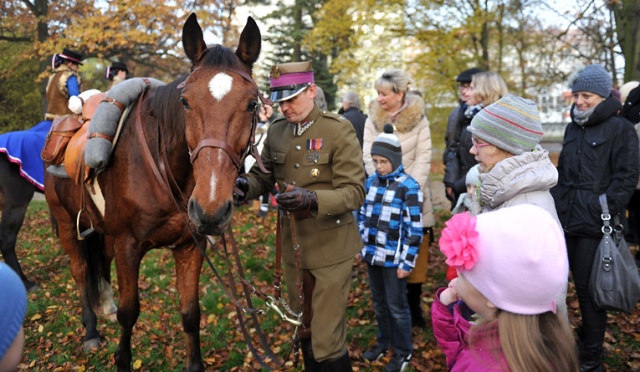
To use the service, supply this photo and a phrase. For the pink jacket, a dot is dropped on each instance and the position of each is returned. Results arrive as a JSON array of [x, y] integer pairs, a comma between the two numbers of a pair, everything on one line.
[[451, 330]]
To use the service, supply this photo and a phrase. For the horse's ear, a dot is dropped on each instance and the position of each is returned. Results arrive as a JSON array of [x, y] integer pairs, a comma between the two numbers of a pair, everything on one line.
[[250, 43], [192, 38]]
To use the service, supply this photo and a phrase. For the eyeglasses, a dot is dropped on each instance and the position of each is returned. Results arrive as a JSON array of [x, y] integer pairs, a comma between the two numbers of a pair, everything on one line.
[[477, 144], [464, 86]]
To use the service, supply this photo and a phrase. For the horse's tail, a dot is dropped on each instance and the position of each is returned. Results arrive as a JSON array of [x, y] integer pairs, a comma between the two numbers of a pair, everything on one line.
[[94, 254]]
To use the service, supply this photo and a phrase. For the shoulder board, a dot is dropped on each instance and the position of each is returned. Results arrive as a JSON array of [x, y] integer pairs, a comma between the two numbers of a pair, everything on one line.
[[334, 116], [278, 120]]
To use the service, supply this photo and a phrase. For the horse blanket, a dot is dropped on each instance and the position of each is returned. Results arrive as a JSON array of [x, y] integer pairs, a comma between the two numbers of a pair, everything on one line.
[[24, 148]]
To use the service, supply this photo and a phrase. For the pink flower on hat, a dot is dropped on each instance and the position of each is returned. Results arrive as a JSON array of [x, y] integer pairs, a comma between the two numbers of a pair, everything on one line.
[[459, 241]]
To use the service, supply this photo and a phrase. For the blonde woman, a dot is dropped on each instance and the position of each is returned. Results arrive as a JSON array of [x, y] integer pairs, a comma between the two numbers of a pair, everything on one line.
[[486, 88], [406, 112]]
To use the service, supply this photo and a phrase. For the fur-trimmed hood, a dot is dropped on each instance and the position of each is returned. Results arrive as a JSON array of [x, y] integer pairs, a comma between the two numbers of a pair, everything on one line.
[[406, 120]]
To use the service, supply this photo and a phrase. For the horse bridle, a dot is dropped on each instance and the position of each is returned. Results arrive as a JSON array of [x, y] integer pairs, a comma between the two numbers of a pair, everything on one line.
[[251, 147]]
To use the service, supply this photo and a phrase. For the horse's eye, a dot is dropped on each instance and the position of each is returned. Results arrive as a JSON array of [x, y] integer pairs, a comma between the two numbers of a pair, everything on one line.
[[252, 106], [184, 102]]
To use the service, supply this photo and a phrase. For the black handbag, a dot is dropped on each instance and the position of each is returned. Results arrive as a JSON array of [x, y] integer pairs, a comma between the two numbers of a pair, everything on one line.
[[614, 283]]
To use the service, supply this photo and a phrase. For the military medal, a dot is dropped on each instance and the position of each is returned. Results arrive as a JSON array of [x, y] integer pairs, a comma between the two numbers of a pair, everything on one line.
[[314, 144], [315, 172]]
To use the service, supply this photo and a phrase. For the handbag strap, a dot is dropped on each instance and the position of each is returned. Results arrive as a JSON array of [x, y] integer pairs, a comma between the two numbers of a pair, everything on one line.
[[606, 216]]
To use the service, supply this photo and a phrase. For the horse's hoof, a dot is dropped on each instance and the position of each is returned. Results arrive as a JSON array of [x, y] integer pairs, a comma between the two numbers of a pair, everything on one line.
[[31, 286], [113, 317], [91, 345]]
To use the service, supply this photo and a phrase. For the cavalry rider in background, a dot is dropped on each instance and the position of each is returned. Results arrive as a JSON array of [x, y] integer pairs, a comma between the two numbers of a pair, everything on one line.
[[315, 158], [63, 84], [116, 73]]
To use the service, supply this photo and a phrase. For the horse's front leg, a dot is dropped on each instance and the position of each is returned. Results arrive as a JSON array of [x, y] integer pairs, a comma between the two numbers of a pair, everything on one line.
[[188, 266], [128, 256]]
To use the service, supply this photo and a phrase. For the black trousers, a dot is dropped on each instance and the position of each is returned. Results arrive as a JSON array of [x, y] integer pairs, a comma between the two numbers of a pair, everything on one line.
[[581, 252]]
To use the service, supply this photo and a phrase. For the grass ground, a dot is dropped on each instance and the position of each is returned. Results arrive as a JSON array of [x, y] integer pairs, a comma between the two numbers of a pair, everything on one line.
[[54, 330]]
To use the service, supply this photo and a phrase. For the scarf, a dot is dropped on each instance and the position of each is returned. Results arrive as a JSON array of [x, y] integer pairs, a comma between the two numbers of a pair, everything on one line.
[[472, 110], [581, 117]]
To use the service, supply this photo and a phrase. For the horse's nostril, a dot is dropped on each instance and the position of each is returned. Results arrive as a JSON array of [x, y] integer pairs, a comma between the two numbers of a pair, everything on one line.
[[195, 212]]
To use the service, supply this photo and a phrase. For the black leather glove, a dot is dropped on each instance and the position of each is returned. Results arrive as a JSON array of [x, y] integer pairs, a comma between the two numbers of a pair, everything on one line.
[[298, 199], [240, 189]]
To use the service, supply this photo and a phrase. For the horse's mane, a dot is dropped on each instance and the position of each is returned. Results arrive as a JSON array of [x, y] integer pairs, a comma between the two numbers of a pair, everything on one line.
[[169, 112]]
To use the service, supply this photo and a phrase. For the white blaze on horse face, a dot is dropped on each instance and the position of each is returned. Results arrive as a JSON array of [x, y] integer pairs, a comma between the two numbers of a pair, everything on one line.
[[212, 182], [220, 85]]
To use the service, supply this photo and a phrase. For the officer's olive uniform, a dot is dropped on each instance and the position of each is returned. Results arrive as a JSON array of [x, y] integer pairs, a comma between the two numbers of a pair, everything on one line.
[[326, 159]]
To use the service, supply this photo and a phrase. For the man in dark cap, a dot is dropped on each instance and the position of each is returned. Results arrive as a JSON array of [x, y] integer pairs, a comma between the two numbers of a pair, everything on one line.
[[63, 84], [116, 73], [316, 161], [451, 142]]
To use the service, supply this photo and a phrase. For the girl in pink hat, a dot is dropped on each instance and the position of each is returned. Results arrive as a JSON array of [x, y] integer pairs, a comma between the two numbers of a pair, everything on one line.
[[500, 313]]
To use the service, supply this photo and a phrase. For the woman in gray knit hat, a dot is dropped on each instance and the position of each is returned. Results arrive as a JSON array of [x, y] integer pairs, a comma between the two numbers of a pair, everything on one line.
[[514, 168], [599, 155]]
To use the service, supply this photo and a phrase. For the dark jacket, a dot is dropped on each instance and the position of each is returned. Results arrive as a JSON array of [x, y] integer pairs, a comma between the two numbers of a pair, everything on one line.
[[458, 160], [357, 119], [631, 107], [598, 157]]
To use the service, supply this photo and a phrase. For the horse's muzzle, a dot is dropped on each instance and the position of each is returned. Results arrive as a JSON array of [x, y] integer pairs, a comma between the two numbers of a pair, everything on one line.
[[210, 223]]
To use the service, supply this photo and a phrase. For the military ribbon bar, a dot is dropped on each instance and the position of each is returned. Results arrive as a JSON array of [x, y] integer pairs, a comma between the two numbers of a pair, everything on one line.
[[314, 144]]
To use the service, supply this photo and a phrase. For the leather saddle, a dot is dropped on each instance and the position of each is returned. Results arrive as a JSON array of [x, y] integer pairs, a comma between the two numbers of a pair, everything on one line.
[[74, 154]]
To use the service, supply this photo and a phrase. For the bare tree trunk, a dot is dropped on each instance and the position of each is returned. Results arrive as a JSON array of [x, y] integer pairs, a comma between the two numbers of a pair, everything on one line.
[[627, 14]]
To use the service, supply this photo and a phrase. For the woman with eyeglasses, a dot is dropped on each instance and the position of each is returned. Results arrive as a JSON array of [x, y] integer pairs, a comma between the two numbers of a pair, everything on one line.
[[485, 88], [514, 168]]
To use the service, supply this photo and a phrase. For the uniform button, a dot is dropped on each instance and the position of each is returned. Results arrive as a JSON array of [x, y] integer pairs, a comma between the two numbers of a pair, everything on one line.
[[296, 165], [275, 158], [293, 182], [315, 161], [338, 221], [298, 147]]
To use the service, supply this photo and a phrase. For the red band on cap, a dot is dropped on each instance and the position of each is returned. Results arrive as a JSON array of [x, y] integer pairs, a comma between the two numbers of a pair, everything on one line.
[[292, 79]]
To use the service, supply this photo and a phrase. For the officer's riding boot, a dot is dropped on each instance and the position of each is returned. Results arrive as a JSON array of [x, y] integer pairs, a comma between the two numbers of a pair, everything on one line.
[[414, 292], [310, 363], [340, 364], [591, 358]]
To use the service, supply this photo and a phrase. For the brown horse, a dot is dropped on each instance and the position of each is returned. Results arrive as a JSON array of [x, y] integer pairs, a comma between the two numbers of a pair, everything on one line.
[[196, 132]]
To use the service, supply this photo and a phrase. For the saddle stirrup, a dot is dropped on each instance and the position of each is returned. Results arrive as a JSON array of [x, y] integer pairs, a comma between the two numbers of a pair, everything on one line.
[[84, 234]]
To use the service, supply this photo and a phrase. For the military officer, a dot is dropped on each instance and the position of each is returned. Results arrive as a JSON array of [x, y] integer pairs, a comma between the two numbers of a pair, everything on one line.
[[315, 158]]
